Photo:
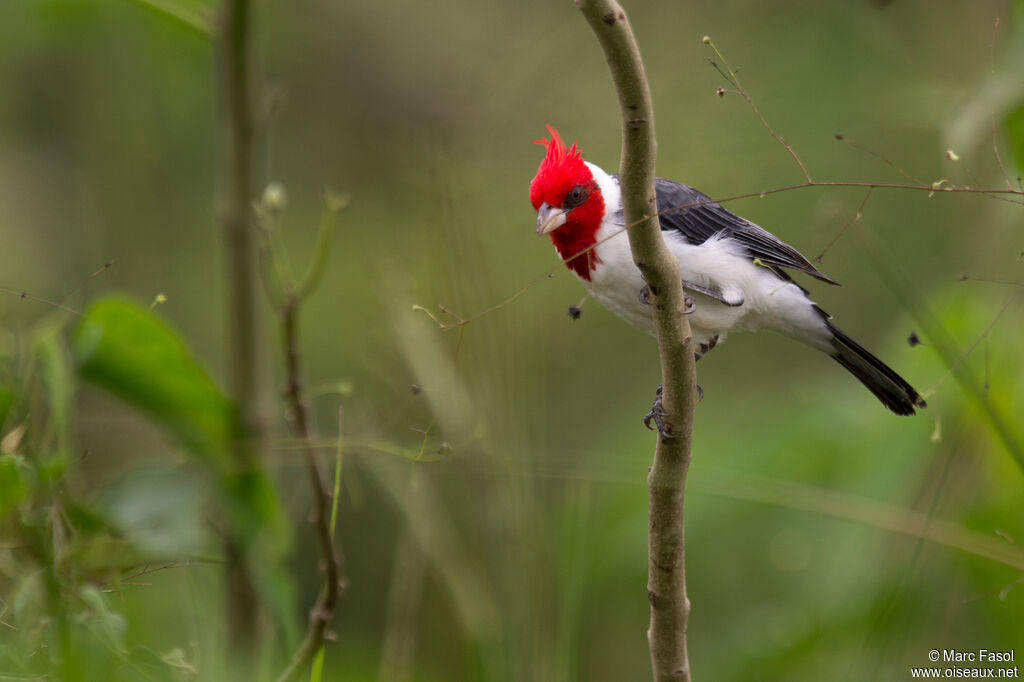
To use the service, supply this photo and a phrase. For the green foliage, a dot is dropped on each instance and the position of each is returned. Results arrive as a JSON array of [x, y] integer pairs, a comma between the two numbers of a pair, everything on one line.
[[62, 625], [196, 16], [129, 351], [68, 546], [56, 374], [1015, 128], [7, 397], [13, 486], [495, 518]]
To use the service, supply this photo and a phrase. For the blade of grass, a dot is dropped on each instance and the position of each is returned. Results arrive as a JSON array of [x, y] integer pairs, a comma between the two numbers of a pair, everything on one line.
[[942, 340], [839, 505], [825, 502], [178, 13]]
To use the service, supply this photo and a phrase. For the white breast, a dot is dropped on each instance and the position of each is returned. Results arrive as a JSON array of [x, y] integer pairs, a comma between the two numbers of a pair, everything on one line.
[[719, 264]]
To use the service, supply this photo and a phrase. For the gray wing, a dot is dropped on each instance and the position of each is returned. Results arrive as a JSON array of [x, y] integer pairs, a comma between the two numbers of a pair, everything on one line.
[[702, 218]]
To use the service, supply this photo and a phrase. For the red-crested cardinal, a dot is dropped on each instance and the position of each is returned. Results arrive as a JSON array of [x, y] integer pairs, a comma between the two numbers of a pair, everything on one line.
[[732, 267]]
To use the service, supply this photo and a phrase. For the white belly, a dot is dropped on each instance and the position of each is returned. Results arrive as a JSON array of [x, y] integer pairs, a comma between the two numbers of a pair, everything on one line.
[[767, 301]]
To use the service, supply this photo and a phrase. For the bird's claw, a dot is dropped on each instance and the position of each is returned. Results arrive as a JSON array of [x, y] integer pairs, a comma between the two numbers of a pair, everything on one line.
[[705, 348], [657, 415], [645, 299]]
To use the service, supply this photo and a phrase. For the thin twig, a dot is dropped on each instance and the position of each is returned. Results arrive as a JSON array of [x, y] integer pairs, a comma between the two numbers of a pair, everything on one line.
[[24, 295], [461, 321], [730, 75], [60, 305], [93, 275], [289, 297], [999, 158], [938, 187], [856, 216], [333, 579], [990, 280], [882, 157], [666, 481], [984, 335], [934, 188]]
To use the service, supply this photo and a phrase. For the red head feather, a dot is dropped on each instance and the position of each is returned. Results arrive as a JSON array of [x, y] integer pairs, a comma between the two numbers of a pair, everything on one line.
[[558, 173], [562, 171]]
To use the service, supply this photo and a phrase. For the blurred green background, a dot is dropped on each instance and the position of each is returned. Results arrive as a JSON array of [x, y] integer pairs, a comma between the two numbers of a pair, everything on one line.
[[494, 524]]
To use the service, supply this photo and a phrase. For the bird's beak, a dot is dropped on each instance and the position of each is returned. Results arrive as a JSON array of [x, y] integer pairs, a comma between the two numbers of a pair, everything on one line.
[[549, 218]]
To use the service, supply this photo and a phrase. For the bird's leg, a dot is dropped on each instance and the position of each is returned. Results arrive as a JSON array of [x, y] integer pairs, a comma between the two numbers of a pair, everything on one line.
[[645, 298], [656, 415], [702, 350], [705, 348], [657, 412]]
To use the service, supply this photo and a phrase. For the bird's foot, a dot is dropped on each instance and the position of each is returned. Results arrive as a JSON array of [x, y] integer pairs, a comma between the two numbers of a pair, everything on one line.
[[705, 348], [658, 414], [645, 298]]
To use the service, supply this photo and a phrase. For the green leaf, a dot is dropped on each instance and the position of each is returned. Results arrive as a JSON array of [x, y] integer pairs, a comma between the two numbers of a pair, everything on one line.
[[55, 370], [108, 625], [158, 510], [7, 396], [144, 664], [12, 485], [194, 16], [129, 351], [1015, 129], [253, 509]]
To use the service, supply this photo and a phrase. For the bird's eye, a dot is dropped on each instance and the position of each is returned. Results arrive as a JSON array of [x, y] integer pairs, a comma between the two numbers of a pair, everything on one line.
[[575, 197]]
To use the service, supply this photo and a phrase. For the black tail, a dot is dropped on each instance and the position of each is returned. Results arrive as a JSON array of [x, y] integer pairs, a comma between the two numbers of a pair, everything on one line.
[[892, 389]]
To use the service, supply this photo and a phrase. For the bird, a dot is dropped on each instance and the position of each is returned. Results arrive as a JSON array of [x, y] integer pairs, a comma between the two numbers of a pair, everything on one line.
[[734, 272]]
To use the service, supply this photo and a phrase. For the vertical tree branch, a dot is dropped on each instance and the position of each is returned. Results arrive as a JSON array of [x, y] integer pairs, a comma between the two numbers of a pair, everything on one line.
[[666, 584], [234, 212]]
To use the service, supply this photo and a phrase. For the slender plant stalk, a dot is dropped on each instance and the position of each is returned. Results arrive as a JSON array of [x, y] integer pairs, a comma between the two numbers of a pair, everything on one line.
[[666, 586], [333, 580], [234, 211]]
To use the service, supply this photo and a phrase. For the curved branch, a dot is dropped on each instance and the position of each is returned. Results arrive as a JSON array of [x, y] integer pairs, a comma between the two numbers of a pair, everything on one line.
[[666, 584]]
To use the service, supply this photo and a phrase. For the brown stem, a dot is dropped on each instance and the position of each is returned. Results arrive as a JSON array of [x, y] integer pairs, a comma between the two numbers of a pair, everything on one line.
[[235, 202], [333, 580], [666, 585], [234, 210]]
